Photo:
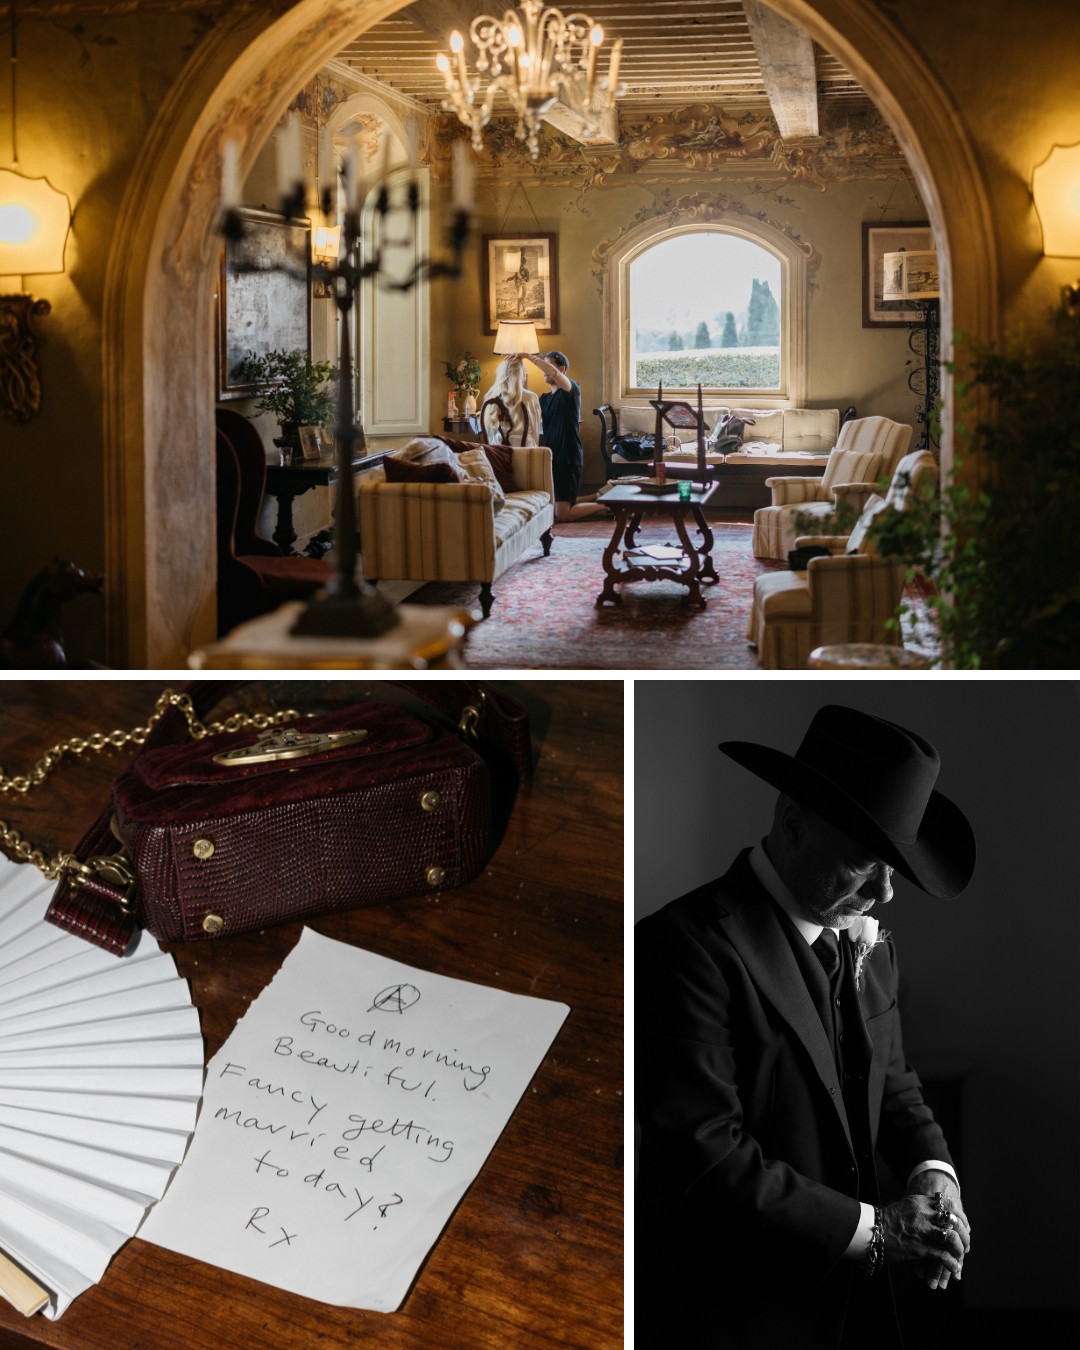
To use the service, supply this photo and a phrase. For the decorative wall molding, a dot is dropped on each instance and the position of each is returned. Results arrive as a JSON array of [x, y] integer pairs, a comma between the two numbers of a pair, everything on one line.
[[855, 145], [704, 208]]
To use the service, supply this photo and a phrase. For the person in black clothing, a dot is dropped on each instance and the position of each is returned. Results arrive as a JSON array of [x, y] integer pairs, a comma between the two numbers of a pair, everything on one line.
[[560, 410]]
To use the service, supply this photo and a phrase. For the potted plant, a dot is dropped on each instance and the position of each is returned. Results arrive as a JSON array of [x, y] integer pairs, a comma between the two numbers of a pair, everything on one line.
[[1005, 566], [464, 375], [298, 392]]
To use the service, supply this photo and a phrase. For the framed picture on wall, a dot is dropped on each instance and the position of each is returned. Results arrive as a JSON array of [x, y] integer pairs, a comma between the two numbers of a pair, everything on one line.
[[913, 235], [264, 296], [520, 278]]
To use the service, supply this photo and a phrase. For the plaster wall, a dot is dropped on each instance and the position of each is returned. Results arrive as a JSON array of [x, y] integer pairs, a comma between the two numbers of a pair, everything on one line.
[[86, 95], [1009, 70]]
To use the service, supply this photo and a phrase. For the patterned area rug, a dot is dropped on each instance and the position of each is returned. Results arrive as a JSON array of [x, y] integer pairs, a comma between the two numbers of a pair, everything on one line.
[[545, 614]]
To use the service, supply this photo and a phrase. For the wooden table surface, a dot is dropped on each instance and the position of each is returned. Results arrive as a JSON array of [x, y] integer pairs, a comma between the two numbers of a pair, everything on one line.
[[533, 1255]]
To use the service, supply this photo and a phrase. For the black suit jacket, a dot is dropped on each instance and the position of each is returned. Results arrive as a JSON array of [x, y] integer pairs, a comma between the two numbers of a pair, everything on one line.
[[750, 1169]]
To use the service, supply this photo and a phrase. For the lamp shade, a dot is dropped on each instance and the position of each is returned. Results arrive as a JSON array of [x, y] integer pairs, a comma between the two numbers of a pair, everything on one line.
[[516, 337], [911, 276], [1055, 185], [34, 222]]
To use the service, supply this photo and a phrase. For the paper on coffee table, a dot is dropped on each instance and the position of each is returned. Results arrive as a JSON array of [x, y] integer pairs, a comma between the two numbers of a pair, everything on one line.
[[343, 1120]]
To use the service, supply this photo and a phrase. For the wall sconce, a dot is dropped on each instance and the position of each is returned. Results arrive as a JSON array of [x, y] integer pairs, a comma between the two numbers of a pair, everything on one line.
[[325, 250], [1055, 187], [35, 220], [516, 337]]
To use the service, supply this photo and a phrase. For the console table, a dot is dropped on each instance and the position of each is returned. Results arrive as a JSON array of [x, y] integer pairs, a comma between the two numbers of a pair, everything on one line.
[[464, 428], [290, 479]]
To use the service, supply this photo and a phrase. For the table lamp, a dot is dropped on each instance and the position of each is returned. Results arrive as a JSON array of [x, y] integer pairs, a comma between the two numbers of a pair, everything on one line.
[[516, 337]]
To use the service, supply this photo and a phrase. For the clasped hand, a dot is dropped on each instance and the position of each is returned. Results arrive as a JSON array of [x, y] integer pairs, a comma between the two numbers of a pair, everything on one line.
[[913, 1236]]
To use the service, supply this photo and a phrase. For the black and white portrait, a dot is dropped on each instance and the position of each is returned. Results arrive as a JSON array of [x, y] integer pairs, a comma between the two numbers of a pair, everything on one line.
[[856, 1012]]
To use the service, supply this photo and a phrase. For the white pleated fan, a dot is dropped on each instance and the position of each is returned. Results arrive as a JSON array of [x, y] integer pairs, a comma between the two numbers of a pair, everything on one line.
[[101, 1072]]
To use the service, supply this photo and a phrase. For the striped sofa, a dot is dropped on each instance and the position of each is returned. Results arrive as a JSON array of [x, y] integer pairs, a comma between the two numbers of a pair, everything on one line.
[[867, 449], [850, 596], [452, 531]]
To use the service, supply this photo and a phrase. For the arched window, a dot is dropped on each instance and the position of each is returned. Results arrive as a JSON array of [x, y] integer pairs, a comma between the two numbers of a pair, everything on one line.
[[720, 304], [705, 309]]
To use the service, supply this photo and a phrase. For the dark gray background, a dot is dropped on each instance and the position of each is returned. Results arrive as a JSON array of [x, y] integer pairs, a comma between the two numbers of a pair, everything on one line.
[[989, 981]]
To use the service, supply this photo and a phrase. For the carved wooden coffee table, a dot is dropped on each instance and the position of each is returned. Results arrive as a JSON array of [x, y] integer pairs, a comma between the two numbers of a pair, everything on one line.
[[631, 508]]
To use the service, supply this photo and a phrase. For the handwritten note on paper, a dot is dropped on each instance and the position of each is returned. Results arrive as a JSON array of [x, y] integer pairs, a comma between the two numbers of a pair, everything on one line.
[[343, 1120]]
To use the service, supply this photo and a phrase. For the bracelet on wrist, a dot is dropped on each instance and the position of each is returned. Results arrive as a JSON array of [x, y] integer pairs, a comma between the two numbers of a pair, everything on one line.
[[874, 1258]]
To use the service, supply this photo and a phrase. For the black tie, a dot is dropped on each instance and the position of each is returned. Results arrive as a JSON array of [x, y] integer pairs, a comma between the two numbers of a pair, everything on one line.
[[827, 951]]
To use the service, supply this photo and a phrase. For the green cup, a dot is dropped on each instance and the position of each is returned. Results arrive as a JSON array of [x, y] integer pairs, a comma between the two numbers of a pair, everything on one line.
[[685, 488]]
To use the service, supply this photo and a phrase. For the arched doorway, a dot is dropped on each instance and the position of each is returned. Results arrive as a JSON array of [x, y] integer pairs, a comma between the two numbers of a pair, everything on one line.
[[159, 342]]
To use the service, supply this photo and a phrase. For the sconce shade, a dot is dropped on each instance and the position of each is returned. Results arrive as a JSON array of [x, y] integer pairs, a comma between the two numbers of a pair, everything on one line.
[[34, 222], [516, 337], [911, 276], [1055, 185]]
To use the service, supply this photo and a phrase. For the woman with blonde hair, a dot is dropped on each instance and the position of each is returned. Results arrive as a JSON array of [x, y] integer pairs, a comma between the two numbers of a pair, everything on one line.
[[510, 412]]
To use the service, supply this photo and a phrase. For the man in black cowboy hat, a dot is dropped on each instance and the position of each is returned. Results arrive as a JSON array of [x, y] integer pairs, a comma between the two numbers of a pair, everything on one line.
[[770, 1068]]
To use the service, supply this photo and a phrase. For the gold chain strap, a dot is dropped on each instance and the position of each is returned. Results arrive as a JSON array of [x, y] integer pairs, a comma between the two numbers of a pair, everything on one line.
[[99, 742]]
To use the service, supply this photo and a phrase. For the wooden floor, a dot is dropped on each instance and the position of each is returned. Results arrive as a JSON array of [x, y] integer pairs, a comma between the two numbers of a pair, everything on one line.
[[533, 1255]]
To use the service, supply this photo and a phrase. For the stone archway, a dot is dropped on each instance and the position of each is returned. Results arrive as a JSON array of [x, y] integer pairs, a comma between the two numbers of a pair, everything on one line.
[[159, 341]]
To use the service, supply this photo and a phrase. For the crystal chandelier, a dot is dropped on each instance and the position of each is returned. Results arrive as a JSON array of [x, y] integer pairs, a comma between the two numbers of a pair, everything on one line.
[[534, 56]]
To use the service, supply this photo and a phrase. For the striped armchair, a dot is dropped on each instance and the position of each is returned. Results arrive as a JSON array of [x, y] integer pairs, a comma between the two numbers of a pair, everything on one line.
[[866, 450], [848, 597], [451, 531]]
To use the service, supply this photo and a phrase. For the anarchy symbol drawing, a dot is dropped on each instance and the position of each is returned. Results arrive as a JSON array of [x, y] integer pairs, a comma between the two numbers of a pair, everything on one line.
[[395, 998]]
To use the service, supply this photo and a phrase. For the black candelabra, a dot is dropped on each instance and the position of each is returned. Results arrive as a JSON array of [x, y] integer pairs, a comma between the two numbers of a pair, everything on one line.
[[349, 606], [924, 377]]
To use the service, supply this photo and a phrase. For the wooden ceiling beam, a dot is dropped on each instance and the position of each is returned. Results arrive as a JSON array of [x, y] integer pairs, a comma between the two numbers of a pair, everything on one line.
[[786, 54]]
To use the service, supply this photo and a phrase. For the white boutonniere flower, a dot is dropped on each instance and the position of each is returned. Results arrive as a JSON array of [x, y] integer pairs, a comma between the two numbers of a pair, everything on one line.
[[866, 934]]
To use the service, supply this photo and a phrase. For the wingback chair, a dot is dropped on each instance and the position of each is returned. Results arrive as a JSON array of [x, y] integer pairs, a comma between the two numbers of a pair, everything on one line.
[[254, 576], [849, 596], [867, 449]]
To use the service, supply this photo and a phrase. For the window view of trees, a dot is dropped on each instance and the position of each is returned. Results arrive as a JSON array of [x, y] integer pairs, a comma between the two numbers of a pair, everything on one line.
[[705, 307]]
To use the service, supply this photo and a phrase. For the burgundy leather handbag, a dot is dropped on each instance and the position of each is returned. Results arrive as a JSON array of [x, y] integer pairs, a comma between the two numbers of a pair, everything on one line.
[[288, 816]]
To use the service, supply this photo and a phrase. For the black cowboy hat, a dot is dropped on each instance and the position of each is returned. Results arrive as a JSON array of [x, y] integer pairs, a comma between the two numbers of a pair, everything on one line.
[[873, 780]]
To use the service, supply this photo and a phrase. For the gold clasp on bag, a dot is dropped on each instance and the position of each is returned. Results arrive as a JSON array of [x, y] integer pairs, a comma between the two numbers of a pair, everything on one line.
[[469, 721], [116, 869], [287, 743]]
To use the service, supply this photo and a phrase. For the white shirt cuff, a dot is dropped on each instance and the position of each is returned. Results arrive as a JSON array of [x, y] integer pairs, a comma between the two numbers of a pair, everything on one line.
[[856, 1248], [934, 1165]]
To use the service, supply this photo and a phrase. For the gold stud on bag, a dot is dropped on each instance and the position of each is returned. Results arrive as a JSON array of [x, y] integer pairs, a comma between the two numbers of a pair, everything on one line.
[[291, 817]]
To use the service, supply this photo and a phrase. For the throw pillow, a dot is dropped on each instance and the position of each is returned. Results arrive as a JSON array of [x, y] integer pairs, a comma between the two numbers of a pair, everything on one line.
[[404, 471], [425, 450], [859, 540], [501, 459], [456, 444], [477, 468]]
